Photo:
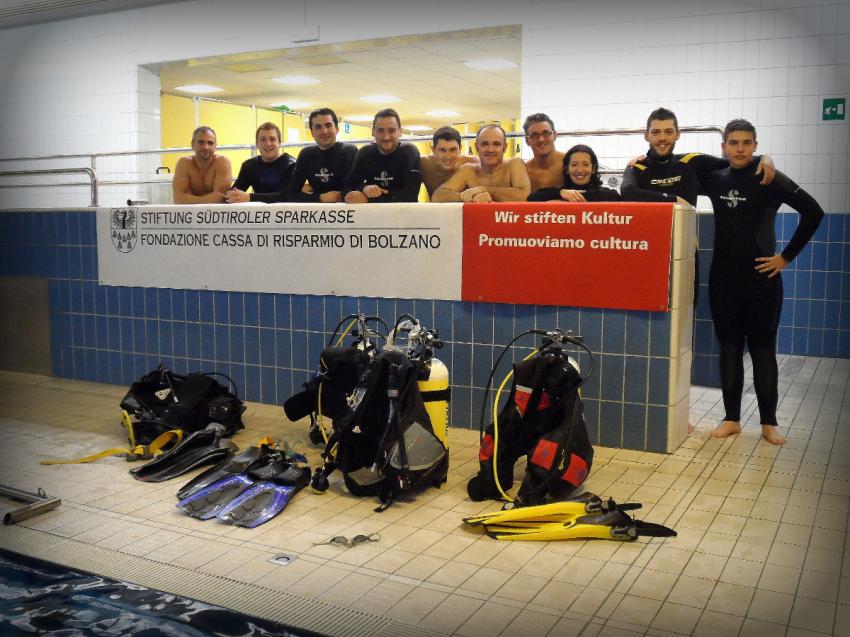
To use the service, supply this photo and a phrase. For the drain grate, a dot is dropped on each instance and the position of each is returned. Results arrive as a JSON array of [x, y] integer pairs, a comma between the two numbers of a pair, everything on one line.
[[250, 599]]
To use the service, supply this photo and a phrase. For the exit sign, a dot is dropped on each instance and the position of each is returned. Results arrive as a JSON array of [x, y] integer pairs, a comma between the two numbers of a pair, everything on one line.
[[834, 108]]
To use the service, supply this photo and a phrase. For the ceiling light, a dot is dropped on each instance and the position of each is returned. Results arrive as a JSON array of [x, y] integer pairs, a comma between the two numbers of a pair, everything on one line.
[[296, 79], [198, 88], [358, 118], [417, 127], [442, 113], [490, 64], [380, 98]]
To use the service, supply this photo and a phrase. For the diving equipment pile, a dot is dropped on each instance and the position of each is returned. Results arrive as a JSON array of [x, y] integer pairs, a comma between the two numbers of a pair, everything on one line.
[[390, 437], [340, 369], [162, 400], [247, 489], [198, 449], [542, 419], [585, 517]]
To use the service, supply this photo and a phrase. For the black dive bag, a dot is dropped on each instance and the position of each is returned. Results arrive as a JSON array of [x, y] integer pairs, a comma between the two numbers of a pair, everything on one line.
[[162, 400], [543, 419]]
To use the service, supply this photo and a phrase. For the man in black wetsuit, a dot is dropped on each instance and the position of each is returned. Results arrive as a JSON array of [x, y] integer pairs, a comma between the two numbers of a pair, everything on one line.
[[745, 285], [268, 174], [388, 170], [320, 170]]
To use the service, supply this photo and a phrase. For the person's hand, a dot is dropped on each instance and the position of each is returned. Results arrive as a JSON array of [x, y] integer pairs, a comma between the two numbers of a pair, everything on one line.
[[482, 197], [355, 196], [331, 196], [469, 193], [767, 167], [635, 160], [572, 195], [771, 266], [307, 189], [373, 192], [234, 195]]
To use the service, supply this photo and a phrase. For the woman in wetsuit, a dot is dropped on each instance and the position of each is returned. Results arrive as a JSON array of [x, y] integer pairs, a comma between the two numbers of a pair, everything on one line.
[[745, 285], [581, 180]]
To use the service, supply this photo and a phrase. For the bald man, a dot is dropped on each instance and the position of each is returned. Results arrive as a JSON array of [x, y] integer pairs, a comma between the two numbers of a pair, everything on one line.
[[494, 179]]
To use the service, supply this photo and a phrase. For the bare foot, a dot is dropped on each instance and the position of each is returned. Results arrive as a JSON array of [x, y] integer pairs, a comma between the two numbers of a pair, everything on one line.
[[769, 433], [727, 428]]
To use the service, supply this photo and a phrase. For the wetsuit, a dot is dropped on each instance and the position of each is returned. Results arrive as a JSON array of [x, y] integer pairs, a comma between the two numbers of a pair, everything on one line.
[[745, 304], [325, 170], [590, 193], [397, 172], [268, 179]]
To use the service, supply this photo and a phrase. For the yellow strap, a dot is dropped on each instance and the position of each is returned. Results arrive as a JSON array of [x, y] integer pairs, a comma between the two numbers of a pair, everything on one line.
[[266, 441], [689, 157], [135, 452]]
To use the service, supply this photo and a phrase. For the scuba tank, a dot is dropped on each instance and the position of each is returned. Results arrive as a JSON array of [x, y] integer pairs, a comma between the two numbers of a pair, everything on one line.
[[543, 419]]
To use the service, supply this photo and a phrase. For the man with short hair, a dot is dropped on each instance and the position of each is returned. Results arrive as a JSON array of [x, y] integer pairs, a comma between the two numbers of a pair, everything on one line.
[[745, 285], [321, 170], [546, 168], [494, 179], [445, 159], [268, 174], [203, 177], [387, 170]]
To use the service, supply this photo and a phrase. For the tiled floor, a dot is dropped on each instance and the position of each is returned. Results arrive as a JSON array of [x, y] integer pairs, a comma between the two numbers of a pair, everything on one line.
[[762, 544]]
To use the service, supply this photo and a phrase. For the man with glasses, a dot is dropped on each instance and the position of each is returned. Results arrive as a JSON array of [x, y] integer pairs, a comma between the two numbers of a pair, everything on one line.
[[546, 168]]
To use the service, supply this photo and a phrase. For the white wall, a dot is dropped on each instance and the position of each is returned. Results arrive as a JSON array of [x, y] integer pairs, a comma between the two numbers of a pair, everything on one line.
[[75, 86]]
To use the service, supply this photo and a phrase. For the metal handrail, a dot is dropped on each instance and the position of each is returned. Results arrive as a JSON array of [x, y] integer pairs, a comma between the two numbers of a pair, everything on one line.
[[54, 171]]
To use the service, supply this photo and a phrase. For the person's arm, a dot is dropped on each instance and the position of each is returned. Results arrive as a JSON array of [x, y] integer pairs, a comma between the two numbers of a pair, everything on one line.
[[223, 174], [239, 194], [333, 196], [545, 194], [811, 215], [411, 178], [356, 178], [299, 177], [703, 164], [181, 188], [601, 194], [630, 189], [520, 184], [451, 189]]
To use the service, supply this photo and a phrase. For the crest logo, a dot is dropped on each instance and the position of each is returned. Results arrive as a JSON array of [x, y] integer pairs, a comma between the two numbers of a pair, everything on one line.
[[123, 229], [732, 198], [384, 179], [324, 175]]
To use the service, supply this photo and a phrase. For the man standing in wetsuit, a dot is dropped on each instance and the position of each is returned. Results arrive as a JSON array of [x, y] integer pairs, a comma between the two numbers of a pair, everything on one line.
[[320, 170], [546, 168], [445, 159], [745, 285], [494, 180], [204, 177], [388, 170]]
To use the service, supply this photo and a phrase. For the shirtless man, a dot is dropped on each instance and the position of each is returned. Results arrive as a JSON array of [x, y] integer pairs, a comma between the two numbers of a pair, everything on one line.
[[204, 177], [546, 168], [445, 159], [494, 179]]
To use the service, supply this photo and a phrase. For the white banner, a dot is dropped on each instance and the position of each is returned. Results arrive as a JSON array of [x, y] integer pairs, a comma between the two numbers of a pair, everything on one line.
[[378, 250]]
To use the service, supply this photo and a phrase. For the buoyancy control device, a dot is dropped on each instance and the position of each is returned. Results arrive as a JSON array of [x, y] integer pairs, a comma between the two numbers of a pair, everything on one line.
[[326, 395], [392, 438], [162, 400], [542, 419]]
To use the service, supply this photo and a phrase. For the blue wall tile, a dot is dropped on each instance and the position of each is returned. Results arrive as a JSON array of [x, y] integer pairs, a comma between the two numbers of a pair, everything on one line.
[[610, 424], [634, 425]]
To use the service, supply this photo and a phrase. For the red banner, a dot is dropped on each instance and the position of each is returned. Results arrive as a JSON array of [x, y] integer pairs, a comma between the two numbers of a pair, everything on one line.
[[611, 255]]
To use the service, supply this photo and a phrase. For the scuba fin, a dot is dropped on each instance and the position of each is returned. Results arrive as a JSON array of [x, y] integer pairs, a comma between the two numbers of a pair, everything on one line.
[[554, 512], [228, 493], [610, 525], [200, 448], [232, 465], [264, 500]]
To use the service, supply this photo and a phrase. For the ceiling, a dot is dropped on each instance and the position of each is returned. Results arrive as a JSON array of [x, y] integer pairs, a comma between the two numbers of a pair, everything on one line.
[[427, 72]]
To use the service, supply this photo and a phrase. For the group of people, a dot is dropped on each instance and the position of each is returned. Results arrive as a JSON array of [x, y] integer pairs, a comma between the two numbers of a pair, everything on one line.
[[745, 289]]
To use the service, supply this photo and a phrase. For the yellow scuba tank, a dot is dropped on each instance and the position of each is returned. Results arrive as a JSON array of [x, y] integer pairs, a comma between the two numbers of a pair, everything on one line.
[[435, 394]]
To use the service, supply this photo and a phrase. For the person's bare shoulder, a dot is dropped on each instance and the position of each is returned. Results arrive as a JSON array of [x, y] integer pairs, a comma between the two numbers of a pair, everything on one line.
[[183, 163], [220, 161], [467, 159]]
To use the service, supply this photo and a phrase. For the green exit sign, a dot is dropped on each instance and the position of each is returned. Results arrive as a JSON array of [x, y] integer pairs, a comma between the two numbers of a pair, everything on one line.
[[834, 108]]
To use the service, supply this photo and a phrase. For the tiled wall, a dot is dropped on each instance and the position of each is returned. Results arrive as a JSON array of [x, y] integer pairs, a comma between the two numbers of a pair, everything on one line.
[[269, 343], [815, 318]]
